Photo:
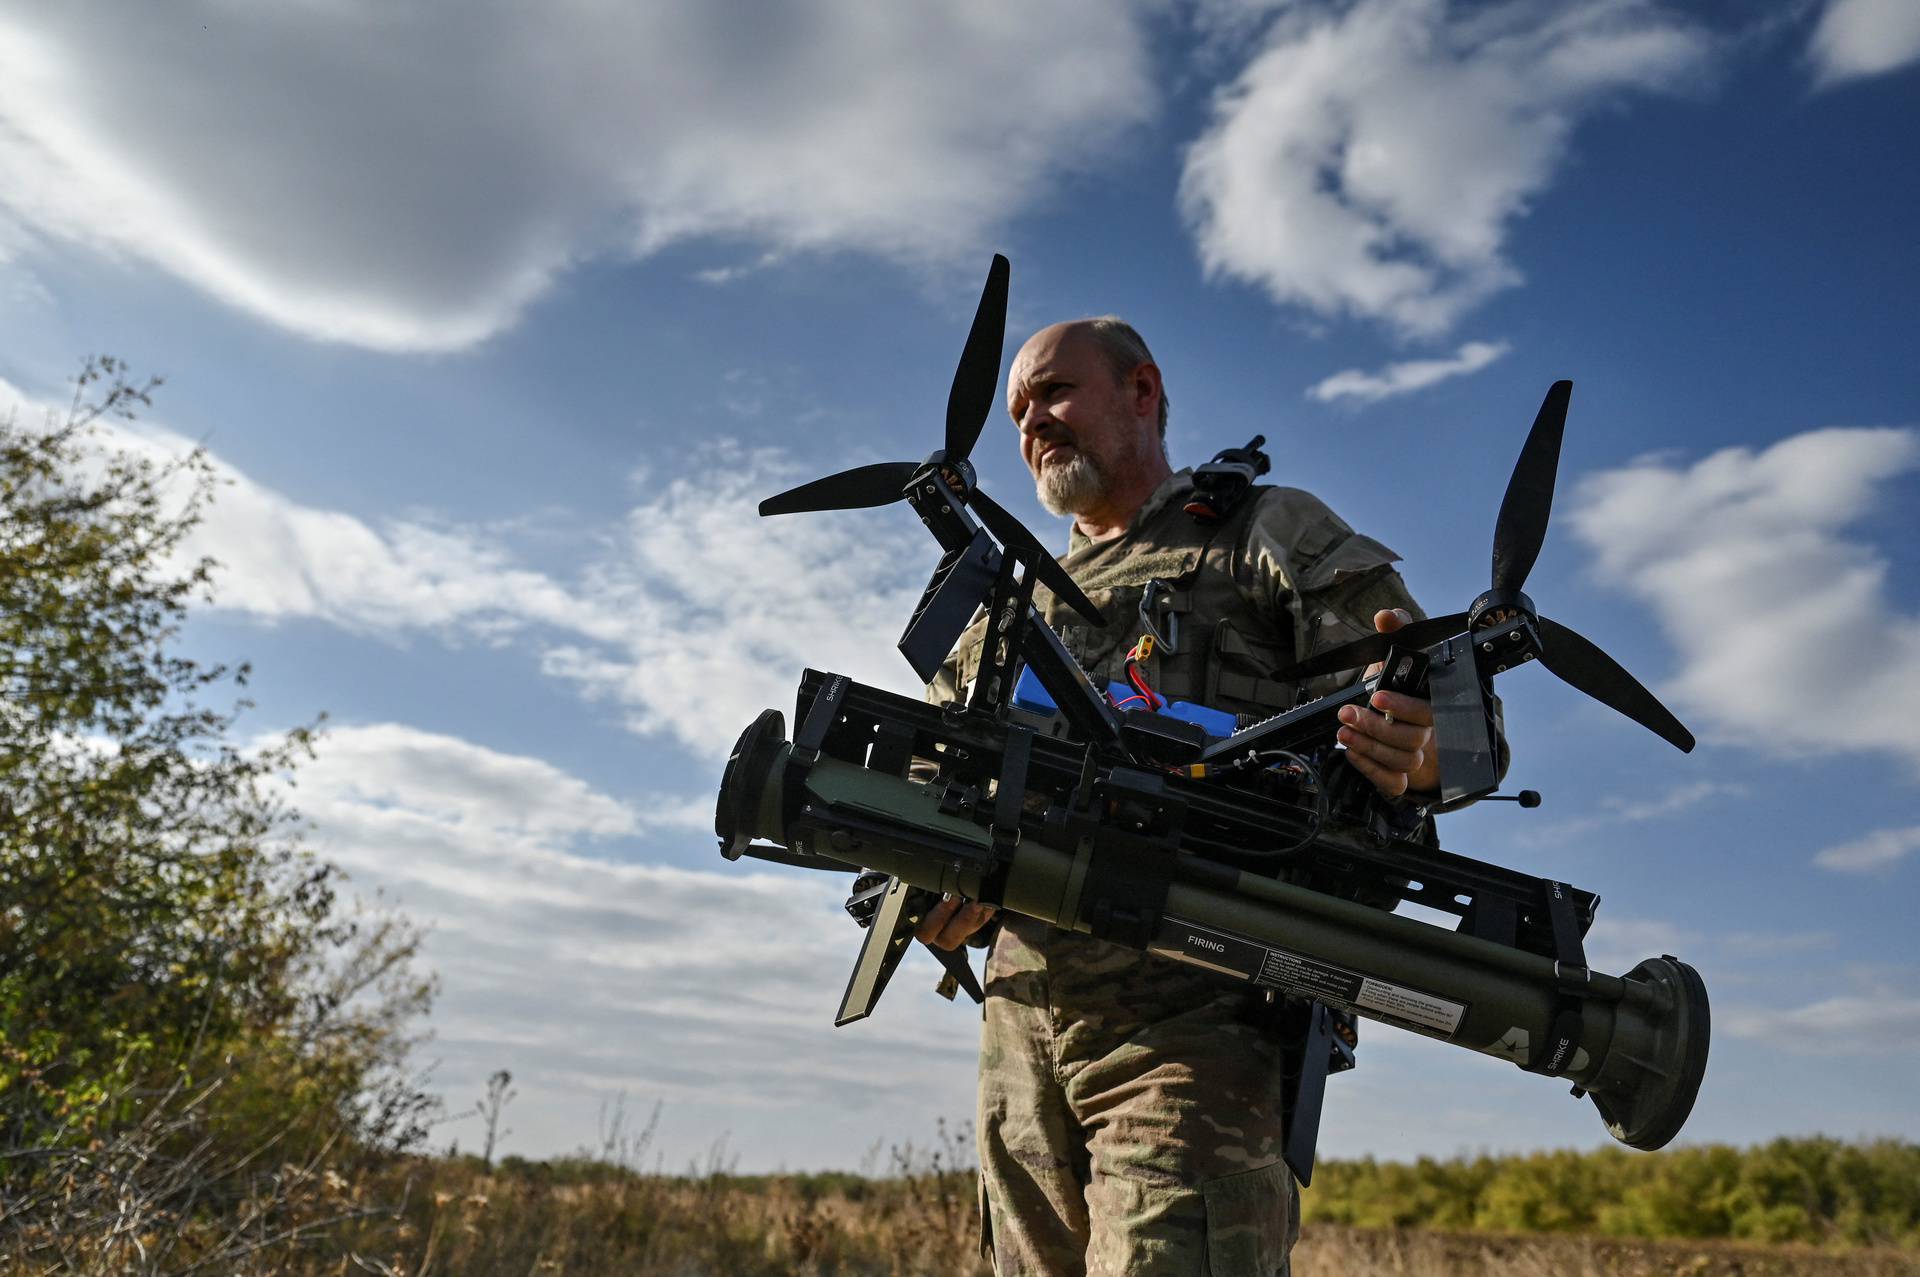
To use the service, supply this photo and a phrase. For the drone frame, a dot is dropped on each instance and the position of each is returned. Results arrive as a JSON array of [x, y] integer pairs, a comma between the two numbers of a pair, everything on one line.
[[1127, 781]]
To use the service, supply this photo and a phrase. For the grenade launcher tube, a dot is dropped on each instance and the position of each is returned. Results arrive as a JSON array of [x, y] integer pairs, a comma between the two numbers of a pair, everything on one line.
[[1507, 998]]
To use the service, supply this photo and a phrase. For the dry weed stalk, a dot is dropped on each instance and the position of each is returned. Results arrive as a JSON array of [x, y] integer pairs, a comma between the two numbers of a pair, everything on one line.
[[162, 1196]]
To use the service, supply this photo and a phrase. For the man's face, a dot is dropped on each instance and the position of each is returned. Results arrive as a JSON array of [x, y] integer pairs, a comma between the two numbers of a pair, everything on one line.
[[1080, 426]]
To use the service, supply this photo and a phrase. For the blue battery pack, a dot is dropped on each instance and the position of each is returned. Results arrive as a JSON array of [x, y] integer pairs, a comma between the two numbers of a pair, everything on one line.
[[1031, 696]]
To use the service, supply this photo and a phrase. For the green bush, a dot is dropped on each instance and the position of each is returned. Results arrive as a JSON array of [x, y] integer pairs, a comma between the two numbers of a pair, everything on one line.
[[1816, 1190], [191, 1022]]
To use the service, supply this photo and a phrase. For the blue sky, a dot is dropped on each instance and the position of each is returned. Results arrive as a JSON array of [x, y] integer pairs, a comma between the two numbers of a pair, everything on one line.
[[501, 320]]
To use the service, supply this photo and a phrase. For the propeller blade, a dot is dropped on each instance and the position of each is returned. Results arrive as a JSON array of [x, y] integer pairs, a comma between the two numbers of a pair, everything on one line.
[[976, 382], [1365, 651], [1579, 663], [849, 490], [1014, 535], [1522, 525]]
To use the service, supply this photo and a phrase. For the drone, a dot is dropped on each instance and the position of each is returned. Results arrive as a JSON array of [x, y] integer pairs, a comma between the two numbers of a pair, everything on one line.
[[1254, 851]]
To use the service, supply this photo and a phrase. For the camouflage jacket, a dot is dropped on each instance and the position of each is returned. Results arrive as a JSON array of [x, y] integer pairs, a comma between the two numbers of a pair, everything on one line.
[[1280, 579]]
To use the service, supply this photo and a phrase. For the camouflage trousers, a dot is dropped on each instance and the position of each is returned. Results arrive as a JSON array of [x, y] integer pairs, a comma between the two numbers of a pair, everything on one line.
[[1129, 1117]]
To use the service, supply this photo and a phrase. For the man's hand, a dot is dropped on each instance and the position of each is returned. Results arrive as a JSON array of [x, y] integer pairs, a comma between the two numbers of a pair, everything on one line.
[[1391, 743], [948, 924]]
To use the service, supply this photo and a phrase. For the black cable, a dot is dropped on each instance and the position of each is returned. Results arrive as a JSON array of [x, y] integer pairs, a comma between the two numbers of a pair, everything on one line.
[[1311, 779]]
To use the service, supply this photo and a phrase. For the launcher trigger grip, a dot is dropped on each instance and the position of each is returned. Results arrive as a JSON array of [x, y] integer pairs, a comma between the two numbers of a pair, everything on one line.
[[959, 975]]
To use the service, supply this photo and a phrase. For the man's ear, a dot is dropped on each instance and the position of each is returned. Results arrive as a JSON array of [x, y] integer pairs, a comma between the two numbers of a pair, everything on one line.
[[1143, 389]]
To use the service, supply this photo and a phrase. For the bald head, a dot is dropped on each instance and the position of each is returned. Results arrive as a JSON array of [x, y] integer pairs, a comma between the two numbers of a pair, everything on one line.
[[1118, 342], [1086, 395]]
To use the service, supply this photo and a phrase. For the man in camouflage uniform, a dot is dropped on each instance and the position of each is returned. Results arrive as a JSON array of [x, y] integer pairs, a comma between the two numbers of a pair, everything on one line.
[[1130, 1107]]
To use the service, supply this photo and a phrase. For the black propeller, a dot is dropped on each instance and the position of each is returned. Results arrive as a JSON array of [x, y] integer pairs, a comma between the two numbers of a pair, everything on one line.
[[854, 489], [976, 382], [1522, 526], [1517, 537], [1578, 662], [976, 388]]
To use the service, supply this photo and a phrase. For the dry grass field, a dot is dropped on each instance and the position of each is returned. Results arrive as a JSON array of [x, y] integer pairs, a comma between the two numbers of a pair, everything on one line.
[[924, 1226], [615, 1211], [439, 1217]]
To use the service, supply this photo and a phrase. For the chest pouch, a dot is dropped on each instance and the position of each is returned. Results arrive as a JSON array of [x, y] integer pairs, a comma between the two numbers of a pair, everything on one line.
[[1239, 674]]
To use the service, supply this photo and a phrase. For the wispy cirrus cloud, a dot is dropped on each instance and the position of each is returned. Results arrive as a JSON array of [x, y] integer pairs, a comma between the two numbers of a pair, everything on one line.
[[717, 610], [411, 177], [1775, 944], [1881, 849], [1370, 160], [1630, 811], [1407, 376], [1786, 632], [1618, 944], [1847, 1024]]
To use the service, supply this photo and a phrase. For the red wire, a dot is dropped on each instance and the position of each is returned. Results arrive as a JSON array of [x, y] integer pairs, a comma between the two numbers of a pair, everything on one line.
[[1152, 697]]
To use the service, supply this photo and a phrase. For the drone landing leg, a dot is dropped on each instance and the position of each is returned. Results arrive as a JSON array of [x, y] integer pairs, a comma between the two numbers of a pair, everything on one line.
[[965, 573], [1009, 602], [1462, 724], [886, 943], [1309, 1089]]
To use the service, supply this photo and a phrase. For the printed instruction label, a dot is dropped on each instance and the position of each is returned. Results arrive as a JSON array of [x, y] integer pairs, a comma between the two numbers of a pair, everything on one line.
[[1296, 973]]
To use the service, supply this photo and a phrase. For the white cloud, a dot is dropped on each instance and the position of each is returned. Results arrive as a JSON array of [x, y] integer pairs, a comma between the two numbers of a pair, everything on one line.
[[1840, 1025], [1857, 38], [1881, 849], [411, 177], [1775, 944], [1674, 800], [1617, 945], [446, 779], [1407, 376], [1371, 158], [280, 559], [692, 615], [1616, 811], [1786, 634], [717, 610], [590, 976]]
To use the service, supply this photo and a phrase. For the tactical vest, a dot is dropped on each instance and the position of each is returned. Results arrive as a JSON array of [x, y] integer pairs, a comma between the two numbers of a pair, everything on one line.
[[1228, 641]]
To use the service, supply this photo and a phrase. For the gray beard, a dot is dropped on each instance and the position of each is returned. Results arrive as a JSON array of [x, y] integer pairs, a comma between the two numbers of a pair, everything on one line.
[[1074, 486]]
